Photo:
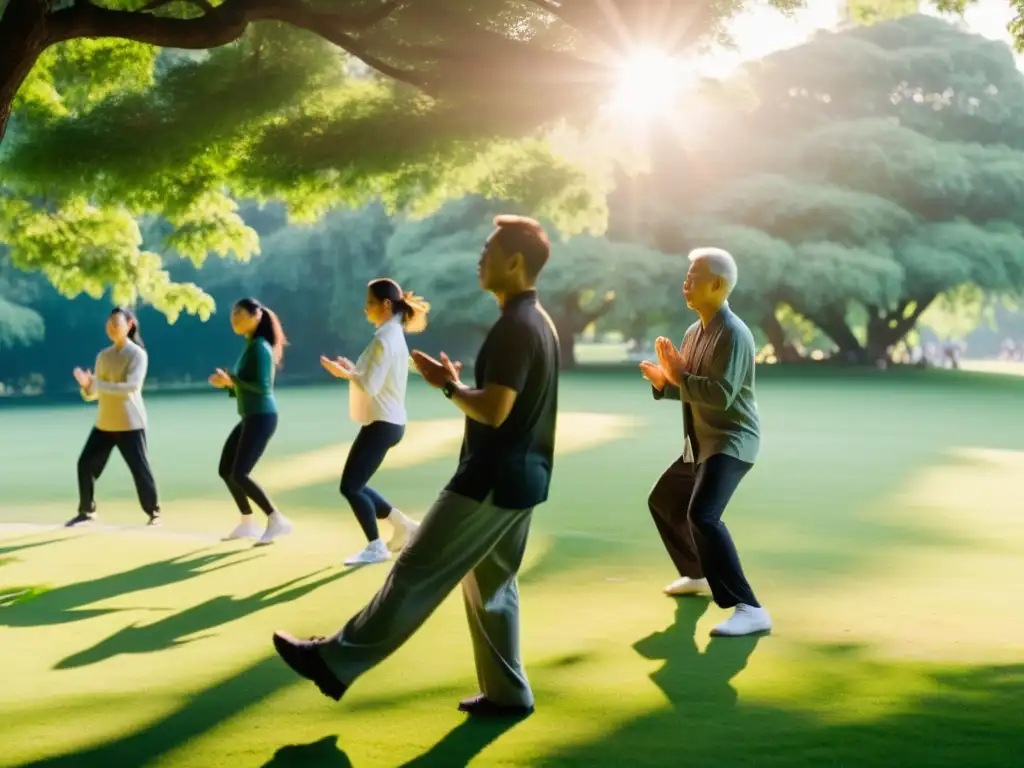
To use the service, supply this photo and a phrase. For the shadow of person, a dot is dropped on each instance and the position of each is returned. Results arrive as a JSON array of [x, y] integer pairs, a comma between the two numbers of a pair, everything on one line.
[[691, 679], [320, 754], [6, 548], [201, 713], [173, 630], [63, 605], [463, 743]]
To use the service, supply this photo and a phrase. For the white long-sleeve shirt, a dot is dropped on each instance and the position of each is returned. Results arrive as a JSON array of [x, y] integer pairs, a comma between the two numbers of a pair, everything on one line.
[[377, 388], [117, 385]]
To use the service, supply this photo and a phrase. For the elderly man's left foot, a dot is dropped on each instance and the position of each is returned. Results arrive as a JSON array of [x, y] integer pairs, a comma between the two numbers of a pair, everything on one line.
[[745, 620], [303, 656]]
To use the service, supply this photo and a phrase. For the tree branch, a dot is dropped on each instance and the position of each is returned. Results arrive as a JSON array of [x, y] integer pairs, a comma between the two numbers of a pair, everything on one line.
[[224, 24], [156, 5]]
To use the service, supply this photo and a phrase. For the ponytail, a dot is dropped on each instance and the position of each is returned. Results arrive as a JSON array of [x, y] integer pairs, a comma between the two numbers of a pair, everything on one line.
[[268, 328], [413, 308]]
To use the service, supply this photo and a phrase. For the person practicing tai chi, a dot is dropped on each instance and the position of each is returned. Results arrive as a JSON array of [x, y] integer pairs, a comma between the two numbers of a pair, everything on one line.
[[476, 530], [252, 385], [376, 396], [713, 375], [116, 386]]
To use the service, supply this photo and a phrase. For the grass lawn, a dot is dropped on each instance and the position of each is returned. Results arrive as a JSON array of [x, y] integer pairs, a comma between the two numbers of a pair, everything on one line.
[[883, 528]]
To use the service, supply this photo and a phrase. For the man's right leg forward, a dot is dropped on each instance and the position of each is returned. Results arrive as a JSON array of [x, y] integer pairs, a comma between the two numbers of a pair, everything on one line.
[[452, 539]]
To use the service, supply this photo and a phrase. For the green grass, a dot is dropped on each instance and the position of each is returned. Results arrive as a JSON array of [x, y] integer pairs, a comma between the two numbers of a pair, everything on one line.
[[882, 528]]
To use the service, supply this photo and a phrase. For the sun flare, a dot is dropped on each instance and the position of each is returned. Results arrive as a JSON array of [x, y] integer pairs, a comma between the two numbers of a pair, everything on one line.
[[649, 84]]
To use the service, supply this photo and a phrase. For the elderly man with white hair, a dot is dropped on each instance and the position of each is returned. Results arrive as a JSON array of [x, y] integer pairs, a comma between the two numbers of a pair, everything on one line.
[[712, 374]]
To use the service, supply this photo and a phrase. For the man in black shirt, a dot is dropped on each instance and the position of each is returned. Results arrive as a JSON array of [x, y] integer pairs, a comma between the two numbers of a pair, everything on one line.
[[476, 531]]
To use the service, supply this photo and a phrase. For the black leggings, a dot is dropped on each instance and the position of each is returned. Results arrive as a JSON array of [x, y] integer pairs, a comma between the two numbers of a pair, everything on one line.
[[132, 446], [364, 458], [242, 450]]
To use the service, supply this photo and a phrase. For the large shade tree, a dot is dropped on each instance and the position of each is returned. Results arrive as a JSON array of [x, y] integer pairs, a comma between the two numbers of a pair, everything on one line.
[[120, 109], [882, 168], [115, 109]]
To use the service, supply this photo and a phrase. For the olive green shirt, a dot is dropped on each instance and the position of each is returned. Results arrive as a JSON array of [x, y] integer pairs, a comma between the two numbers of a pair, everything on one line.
[[717, 393]]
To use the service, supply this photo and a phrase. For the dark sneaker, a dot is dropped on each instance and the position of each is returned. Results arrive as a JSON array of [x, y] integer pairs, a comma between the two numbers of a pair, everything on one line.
[[81, 517], [303, 657], [481, 706]]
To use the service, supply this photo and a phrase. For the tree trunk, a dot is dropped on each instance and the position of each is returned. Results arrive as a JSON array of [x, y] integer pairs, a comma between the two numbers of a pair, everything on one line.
[[890, 328], [784, 351], [22, 38], [834, 325], [571, 319]]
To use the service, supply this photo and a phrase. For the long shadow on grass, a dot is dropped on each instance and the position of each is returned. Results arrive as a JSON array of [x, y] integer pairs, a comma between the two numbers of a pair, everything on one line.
[[177, 629], [63, 605], [971, 717], [458, 748], [203, 712], [8, 548]]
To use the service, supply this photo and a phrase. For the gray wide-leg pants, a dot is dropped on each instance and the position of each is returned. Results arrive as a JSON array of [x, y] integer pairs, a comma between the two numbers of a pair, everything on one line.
[[464, 540]]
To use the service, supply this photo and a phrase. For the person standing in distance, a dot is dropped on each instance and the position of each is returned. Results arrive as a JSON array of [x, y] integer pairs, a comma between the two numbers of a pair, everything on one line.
[[252, 386], [476, 530], [376, 396], [713, 375], [120, 417]]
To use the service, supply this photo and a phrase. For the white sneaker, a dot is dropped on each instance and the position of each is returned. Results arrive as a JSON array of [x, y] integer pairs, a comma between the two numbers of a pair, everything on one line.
[[745, 620], [277, 525], [687, 586], [405, 529], [247, 529], [375, 552]]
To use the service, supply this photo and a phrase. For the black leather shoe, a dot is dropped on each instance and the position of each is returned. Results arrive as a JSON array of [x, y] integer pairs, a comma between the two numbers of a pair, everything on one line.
[[481, 706], [303, 657]]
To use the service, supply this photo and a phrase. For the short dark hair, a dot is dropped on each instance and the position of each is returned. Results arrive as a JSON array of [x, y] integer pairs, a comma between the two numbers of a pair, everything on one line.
[[518, 234]]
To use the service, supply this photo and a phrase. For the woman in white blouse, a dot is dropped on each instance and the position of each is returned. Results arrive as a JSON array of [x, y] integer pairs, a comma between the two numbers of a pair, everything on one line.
[[377, 384], [120, 417]]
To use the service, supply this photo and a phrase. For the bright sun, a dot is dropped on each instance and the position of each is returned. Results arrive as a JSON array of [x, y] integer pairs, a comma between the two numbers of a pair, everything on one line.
[[649, 83]]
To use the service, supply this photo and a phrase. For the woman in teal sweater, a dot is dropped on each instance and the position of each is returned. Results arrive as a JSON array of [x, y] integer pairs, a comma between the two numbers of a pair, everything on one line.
[[252, 386]]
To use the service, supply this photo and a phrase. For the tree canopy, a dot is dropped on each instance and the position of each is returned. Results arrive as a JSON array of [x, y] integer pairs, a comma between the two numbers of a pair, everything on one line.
[[882, 170]]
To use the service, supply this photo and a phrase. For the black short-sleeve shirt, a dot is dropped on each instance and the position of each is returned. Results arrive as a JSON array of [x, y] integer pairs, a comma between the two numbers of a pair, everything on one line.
[[514, 461]]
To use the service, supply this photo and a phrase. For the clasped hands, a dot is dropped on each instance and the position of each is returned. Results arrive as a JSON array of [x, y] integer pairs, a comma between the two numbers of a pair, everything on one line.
[[436, 373], [221, 379], [84, 378], [339, 367], [669, 368]]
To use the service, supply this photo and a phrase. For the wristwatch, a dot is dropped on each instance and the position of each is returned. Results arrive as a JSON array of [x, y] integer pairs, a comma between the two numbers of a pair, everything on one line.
[[449, 389]]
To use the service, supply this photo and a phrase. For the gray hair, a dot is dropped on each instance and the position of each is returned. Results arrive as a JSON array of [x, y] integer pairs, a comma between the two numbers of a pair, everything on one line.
[[721, 264]]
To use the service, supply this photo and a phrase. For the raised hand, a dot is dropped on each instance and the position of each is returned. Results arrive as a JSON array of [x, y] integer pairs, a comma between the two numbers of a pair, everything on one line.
[[453, 368], [437, 373], [670, 360], [220, 379], [83, 377], [335, 367], [653, 373]]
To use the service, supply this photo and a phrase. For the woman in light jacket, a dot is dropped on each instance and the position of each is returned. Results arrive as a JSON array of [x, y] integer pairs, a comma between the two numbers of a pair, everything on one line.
[[121, 421], [377, 385]]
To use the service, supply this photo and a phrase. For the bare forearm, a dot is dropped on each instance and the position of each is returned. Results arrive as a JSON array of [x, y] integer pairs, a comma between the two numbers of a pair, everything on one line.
[[475, 404]]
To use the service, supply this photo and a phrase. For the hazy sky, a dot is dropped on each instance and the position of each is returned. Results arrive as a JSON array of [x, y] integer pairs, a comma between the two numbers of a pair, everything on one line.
[[762, 30]]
